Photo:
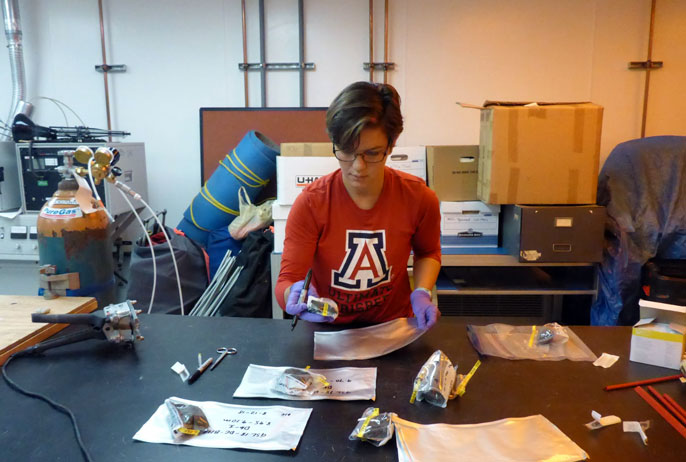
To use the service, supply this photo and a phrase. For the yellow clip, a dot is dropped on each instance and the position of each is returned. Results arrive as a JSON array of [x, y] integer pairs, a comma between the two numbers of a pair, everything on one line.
[[325, 309], [533, 335], [462, 387], [417, 381], [322, 380], [374, 413]]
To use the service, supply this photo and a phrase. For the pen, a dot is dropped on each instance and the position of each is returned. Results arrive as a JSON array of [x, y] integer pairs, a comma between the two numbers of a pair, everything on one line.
[[198, 372], [303, 295]]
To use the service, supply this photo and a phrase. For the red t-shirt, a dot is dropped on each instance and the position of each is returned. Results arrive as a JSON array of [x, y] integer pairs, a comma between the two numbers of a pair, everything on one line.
[[359, 257]]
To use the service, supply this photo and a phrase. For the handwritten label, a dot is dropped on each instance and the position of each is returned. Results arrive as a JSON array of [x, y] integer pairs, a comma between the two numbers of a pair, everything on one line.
[[231, 426]]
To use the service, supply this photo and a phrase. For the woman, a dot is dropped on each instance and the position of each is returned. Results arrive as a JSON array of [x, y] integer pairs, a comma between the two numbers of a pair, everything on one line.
[[356, 226]]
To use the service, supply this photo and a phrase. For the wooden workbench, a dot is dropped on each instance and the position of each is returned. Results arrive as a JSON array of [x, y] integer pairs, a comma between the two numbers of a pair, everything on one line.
[[16, 329]]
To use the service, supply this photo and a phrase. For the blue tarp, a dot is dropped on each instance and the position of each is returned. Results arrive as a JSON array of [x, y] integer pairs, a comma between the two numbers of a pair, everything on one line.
[[643, 186]]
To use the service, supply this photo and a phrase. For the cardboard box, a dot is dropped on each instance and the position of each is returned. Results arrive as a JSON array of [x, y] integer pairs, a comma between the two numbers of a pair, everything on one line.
[[280, 215], [658, 338], [452, 172], [294, 173], [307, 149], [542, 154], [469, 224], [565, 233], [409, 159]]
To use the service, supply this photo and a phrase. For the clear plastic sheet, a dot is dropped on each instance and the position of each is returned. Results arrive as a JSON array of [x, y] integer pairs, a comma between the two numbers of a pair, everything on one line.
[[532, 438], [366, 342], [550, 342], [374, 427]]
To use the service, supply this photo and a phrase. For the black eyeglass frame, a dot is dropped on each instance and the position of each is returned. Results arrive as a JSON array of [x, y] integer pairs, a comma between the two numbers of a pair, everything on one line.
[[355, 155]]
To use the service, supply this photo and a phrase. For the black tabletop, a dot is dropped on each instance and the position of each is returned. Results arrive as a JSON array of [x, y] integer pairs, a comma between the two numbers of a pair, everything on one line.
[[113, 391]]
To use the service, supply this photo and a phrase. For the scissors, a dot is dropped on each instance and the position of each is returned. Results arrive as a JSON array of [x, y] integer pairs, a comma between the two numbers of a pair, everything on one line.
[[223, 352]]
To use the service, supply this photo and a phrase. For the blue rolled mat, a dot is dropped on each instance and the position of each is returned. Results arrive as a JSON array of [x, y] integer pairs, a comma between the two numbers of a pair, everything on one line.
[[251, 164], [196, 234], [218, 242]]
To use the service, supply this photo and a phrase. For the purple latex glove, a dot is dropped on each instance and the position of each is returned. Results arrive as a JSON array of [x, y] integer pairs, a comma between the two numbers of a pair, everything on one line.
[[300, 309], [424, 310]]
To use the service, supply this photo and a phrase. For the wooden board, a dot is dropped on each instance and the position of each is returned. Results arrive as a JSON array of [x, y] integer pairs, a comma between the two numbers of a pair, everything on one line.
[[221, 129], [17, 332]]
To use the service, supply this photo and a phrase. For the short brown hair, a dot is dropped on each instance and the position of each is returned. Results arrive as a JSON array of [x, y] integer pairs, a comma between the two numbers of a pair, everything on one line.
[[361, 105]]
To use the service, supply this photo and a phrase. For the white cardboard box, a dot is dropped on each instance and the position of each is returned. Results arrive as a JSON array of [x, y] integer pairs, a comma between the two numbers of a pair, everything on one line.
[[658, 337], [409, 159], [279, 214], [294, 173], [469, 224]]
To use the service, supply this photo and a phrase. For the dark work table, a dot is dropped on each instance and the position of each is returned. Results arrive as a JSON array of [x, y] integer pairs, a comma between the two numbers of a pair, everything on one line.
[[113, 391]]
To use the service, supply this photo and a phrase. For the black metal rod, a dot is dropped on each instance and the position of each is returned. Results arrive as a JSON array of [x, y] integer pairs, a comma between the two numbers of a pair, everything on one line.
[[91, 318], [85, 334]]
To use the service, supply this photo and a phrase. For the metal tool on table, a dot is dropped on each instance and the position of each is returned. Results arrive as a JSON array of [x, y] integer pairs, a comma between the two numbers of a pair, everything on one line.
[[117, 323], [223, 352], [303, 296]]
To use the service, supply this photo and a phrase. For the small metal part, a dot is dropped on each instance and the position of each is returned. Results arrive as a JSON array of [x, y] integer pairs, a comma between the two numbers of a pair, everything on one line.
[[379, 66], [275, 66], [645, 64], [110, 67], [223, 352], [544, 335]]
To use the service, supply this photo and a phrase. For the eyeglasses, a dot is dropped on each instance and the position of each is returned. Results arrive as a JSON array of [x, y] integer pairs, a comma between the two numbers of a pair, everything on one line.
[[371, 156]]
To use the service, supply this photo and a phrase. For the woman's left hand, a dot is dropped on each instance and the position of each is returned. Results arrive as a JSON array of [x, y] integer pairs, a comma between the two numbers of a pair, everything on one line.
[[425, 311]]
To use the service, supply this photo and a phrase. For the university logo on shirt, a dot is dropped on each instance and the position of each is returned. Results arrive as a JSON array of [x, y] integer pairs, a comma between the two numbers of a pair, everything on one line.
[[365, 265]]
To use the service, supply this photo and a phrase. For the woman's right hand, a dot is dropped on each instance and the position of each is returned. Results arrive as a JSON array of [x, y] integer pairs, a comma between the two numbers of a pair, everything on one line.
[[300, 309]]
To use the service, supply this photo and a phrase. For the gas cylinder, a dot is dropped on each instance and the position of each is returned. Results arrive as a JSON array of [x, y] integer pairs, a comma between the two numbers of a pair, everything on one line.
[[78, 242]]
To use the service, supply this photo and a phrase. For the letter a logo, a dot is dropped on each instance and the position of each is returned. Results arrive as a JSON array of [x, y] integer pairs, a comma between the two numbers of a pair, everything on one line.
[[364, 265]]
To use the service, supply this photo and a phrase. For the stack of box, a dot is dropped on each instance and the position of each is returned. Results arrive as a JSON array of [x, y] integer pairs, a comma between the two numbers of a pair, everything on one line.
[[409, 159], [540, 162], [465, 221], [298, 165]]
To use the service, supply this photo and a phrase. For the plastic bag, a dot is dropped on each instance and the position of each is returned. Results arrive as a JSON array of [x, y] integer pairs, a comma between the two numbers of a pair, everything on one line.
[[299, 382], [435, 381], [252, 217], [185, 420], [373, 427], [324, 307], [550, 342]]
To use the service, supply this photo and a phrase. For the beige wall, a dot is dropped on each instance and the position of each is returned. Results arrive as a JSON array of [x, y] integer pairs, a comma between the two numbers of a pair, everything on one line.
[[183, 55]]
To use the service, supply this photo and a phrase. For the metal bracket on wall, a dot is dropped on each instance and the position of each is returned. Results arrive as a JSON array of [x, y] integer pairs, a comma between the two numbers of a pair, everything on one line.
[[641, 65], [110, 67], [275, 66], [301, 66], [379, 66]]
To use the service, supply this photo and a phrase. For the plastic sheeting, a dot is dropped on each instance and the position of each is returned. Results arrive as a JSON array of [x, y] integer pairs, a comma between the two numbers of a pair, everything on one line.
[[643, 186], [532, 438], [366, 342], [517, 342]]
